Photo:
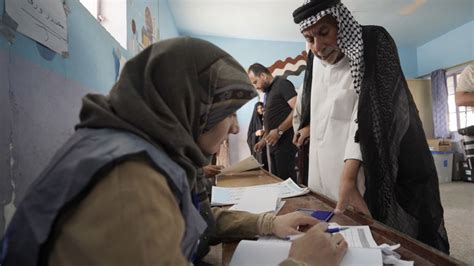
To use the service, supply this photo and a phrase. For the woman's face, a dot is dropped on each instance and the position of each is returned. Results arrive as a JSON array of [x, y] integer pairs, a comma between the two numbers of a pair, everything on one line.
[[210, 141], [260, 109]]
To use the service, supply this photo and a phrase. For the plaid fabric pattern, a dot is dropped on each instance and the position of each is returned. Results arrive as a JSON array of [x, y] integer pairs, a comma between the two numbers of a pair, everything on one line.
[[349, 38]]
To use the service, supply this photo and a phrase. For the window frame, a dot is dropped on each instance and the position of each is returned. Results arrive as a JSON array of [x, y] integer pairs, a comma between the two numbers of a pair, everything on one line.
[[466, 109], [119, 36]]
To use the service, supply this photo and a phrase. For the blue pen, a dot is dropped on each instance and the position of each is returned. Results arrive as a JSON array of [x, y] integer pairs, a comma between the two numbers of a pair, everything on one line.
[[329, 230], [336, 229]]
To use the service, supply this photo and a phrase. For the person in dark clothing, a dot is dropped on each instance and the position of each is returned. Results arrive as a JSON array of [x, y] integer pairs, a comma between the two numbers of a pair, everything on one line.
[[301, 140], [255, 134], [401, 183], [277, 120]]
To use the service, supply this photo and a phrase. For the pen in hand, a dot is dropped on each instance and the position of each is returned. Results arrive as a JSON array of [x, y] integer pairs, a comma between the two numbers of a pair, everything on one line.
[[329, 230], [336, 229]]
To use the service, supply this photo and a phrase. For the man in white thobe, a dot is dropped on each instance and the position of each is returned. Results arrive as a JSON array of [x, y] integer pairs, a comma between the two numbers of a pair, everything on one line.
[[333, 114]]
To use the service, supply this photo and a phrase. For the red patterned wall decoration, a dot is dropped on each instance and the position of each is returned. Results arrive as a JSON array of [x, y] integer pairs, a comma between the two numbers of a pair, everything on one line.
[[290, 66]]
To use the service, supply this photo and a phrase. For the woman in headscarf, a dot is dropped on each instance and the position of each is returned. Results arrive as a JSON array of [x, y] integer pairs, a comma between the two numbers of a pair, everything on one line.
[[255, 133], [123, 190], [365, 130]]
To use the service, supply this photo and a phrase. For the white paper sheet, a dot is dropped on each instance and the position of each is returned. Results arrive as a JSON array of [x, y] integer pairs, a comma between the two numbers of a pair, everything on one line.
[[258, 200], [359, 237], [272, 251], [231, 195], [44, 21], [362, 256], [260, 253], [246, 164]]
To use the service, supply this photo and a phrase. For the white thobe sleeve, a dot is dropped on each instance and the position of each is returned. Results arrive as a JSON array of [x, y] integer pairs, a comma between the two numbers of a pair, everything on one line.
[[352, 150], [297, 112]]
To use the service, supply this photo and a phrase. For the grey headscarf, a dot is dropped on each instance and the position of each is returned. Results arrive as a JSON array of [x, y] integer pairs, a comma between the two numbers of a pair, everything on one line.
[[169, 94]]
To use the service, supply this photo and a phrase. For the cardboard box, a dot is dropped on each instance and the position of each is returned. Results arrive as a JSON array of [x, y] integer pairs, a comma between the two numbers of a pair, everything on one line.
[[440, 145]]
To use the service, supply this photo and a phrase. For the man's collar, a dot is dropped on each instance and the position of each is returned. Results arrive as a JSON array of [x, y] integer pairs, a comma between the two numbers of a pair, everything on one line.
[[270, 85]]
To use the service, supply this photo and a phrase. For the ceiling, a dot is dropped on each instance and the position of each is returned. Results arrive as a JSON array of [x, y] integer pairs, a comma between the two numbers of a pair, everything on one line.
[[410, 22]]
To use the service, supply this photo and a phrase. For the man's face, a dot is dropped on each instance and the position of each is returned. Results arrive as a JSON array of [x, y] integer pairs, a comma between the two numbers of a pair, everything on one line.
[[210, 141], [322, 40], [259, 82]]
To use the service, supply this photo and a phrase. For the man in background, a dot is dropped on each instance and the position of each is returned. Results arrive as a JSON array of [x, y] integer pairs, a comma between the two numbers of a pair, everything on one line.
[[277, 120]]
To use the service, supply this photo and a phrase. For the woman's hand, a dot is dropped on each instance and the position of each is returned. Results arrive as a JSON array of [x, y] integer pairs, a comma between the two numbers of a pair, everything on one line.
[[287, 224], [212, 170], [319, 248]]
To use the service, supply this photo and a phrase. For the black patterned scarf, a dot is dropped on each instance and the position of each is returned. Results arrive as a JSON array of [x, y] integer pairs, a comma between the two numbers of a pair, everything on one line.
[[401, 182], [349, 34]]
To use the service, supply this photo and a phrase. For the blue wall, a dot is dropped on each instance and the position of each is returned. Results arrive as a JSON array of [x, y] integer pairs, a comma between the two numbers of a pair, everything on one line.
[[452, 48], [166, 21], [162, 16], [408, 60], [247, 52], [40, 94]]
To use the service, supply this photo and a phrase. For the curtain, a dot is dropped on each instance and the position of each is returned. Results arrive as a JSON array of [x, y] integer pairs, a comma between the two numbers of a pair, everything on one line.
[[440, 104]]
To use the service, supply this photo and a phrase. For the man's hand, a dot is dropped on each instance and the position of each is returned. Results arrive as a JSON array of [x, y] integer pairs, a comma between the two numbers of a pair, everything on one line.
[[212, 170], [301, 137], [319, 248], [348, 192], [272, 137], [287, 224], [260, 145], [350, 195]]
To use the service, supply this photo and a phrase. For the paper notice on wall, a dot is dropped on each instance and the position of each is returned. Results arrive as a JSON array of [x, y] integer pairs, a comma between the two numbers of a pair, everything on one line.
[[44, 21]]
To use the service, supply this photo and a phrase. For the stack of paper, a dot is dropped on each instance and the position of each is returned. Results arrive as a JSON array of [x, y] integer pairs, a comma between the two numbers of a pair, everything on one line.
[[250, 252], [258, 200], [232, 195], [271, 251], [246, 164]]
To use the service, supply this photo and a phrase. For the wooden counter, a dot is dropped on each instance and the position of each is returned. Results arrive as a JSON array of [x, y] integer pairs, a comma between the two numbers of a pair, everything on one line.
[[410, 249]]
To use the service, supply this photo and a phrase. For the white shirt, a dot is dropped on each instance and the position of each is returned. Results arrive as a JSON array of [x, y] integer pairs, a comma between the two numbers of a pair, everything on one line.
[[297, 111], [332, 127]]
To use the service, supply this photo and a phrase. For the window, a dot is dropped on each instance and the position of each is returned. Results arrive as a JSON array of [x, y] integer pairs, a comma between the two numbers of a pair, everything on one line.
[[112, 15], [92, 6], [459, 117]]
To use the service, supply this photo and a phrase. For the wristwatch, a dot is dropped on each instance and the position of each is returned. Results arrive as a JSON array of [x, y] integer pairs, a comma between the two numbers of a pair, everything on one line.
[[280, 132]]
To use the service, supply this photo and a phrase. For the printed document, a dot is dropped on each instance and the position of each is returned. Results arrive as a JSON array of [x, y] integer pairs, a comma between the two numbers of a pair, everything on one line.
[[232, 195]]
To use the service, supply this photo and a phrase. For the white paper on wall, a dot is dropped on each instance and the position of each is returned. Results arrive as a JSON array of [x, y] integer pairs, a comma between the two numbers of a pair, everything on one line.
[[44, 21]]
